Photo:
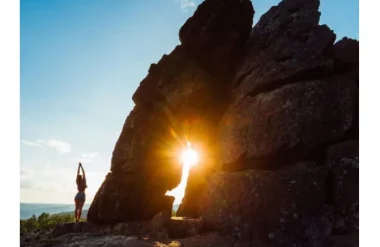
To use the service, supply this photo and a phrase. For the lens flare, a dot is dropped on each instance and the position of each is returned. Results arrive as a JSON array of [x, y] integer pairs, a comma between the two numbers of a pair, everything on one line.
[[189, 157]]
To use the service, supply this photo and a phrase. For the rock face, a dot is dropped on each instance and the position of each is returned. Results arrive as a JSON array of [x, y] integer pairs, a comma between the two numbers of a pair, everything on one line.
[[294, 94], [346, 57], [136, 202], [179, 100], [216, 34], [196, 182], [287, 44], [278, 207], [274, 109], [284, 207], [271, 127]]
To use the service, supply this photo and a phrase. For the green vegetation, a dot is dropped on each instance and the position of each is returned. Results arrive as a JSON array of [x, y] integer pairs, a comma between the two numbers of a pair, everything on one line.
[[44, 222], [84, 213]]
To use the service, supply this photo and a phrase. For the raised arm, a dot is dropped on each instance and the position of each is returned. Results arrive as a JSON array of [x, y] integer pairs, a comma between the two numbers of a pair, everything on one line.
[[84, 175], [78, 169]]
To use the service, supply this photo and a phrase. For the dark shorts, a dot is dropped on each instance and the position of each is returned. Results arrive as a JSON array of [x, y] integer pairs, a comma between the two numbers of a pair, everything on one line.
[[80, 196]]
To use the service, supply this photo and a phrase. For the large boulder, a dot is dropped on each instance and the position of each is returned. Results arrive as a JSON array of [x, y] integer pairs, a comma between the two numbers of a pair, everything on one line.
[[346, 56], [175, 103], [178, 227], [262, 98], [189, 97], [346, 62], [180, 100], [197, 180], [140, 173], [274, 128], [173, 80], [216, 33], [138, 149], [292, 123], [286, 45], [279, 207], [126, 197]]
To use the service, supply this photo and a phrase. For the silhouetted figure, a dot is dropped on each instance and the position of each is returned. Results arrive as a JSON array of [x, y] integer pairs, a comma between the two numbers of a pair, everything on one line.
[[80, 197]]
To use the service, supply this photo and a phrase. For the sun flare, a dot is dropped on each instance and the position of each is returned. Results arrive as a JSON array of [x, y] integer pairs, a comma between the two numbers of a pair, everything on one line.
[[189, 157]]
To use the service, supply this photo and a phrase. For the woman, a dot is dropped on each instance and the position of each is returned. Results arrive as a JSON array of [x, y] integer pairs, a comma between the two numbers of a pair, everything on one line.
[[80, 197]]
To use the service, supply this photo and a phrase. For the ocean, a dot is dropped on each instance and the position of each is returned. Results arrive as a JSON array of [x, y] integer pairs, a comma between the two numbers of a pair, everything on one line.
[[28, 209]]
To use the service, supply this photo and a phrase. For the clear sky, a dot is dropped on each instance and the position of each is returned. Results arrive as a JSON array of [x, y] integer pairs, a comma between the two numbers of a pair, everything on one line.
[[81, 61]]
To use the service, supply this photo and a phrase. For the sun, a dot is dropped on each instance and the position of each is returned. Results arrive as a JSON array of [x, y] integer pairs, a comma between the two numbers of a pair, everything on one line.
[[189, 156]]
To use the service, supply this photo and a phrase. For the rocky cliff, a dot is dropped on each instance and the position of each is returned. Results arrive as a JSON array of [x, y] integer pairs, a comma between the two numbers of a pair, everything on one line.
[[274, 109]]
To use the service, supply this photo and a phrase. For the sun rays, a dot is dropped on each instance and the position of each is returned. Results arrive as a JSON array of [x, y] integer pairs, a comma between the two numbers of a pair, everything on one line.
[[189, 157]]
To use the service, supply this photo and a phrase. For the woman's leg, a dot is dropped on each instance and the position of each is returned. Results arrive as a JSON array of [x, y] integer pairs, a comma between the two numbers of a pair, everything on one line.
[[77, 205], [80, 209]]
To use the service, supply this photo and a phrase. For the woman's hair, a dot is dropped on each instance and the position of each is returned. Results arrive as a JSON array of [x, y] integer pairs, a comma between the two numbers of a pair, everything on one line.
[[79, 178]]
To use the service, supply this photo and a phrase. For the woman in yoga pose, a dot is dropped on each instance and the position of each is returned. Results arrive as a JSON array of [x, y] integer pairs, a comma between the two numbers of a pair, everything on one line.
[[80, 197]]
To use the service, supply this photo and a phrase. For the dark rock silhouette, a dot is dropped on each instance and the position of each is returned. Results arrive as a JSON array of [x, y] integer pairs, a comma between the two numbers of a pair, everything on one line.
[[275, 109], [190, 207], [279, 206], [287, 122], [286, 45], [346, 56], [178, 92], [216, 33]]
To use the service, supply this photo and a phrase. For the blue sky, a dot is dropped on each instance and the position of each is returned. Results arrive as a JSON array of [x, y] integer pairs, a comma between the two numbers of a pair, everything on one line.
[[81, 61]]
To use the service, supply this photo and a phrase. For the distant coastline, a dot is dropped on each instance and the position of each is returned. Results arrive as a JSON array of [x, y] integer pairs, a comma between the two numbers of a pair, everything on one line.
[[27, 210]]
